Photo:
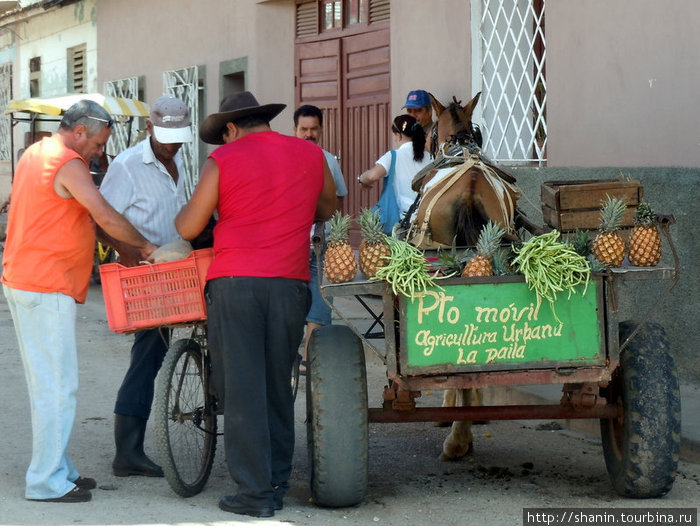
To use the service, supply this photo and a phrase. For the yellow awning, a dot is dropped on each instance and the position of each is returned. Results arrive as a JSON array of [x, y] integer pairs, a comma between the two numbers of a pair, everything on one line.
[[57, 105]]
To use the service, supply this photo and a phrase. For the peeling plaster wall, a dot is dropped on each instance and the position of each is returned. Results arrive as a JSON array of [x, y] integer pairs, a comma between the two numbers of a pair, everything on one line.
[[49, 35]]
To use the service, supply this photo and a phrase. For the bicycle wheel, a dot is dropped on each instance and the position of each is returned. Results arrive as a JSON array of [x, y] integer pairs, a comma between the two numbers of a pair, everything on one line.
[[185, 423], [295, 376]]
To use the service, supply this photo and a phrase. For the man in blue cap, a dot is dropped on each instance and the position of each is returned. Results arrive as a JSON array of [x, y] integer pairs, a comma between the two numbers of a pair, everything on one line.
[[419, 107]]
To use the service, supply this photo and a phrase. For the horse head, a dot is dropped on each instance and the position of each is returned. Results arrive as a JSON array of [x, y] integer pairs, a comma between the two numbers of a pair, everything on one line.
[[461, 190], [454, 124]]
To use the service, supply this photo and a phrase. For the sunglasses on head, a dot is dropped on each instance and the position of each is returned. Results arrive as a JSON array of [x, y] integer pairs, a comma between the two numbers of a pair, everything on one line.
[[108, 122]]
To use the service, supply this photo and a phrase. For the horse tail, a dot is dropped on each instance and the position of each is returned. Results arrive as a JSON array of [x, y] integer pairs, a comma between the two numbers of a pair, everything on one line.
[[467, 222]]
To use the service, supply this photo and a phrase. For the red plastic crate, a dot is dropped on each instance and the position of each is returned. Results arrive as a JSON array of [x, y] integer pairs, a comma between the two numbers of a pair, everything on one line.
[[149, 296]]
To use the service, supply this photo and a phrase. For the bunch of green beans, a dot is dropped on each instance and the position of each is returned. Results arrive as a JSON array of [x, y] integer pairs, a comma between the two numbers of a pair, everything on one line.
[[551, 266], [406, 269]]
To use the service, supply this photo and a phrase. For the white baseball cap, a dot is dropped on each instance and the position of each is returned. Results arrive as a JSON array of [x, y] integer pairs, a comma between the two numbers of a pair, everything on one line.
[[171, 120]]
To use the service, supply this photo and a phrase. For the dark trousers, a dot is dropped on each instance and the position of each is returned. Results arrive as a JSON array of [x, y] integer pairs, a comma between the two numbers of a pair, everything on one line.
[[255, 329], [135, 395]]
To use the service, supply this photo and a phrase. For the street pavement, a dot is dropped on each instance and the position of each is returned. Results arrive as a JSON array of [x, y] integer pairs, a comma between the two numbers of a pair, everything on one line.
[[103, 358]]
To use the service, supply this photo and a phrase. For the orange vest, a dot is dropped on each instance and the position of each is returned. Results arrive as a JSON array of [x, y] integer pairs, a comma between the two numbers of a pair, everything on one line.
[[50, 240]]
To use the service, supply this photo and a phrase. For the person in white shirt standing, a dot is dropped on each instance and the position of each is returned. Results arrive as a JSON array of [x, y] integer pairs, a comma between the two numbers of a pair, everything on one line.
[[145, 183], [308, 125]]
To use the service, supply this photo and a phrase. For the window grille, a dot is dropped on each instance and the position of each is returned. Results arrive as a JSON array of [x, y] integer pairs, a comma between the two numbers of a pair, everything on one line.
[[35, 76], [306, 20], [185, 84], [5, 97], [379, 11], [127, 134], [336, 15], [509, 70], [77, 69]]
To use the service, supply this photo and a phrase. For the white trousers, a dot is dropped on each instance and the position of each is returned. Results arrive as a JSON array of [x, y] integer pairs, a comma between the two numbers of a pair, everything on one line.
[[45, 328]]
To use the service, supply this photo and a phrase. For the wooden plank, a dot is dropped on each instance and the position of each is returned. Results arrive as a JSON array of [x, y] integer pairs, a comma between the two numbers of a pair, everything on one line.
[[566, 221], [549, 195], [584, 195]]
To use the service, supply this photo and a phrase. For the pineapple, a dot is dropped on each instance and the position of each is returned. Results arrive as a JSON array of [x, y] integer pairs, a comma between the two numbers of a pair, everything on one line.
[[486, 246], [501, 262], [340, 264], [373, 248], [449, 263], [645, 241], [581, 241], [608, 245]]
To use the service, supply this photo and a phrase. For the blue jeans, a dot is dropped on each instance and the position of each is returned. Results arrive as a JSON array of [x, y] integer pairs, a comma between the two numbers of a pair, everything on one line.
[[319, 312], [45, 328], [135, 396]]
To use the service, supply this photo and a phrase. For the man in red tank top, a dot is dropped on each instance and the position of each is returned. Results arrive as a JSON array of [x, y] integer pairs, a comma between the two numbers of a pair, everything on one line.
[[267, 188], [46, 270]]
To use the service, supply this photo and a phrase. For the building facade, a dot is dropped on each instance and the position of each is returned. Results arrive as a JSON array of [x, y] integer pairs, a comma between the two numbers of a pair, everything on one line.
[[575, 89]]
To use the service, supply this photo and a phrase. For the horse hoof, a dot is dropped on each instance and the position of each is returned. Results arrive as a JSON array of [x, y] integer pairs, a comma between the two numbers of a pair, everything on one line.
[[452, 454]]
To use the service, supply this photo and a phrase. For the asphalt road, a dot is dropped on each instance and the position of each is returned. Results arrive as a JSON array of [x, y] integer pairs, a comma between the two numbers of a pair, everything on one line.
[[516, 464]]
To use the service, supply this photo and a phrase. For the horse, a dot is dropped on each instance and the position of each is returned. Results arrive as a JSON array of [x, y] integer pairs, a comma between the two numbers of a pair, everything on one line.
[[458, 193], [461, 190]]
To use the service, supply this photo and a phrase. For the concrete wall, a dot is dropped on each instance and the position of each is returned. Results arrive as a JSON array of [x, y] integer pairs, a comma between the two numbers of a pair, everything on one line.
[[621, 80], [669, 191], [47, 34], [173, 34], [430, 50]]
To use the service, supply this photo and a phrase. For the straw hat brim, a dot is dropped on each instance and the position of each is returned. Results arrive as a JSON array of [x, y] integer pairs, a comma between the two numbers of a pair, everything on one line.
[[210, 130]]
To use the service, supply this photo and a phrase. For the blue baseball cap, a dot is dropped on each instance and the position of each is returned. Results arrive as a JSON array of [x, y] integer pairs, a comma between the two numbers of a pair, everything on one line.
[[417, 99]]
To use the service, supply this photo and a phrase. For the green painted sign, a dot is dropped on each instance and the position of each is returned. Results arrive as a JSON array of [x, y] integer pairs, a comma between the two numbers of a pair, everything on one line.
[[492, 324]]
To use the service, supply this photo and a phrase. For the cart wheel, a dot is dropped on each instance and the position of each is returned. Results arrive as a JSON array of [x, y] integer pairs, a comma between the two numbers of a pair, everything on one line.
[[642, 446], [185, 423], [336, 415]]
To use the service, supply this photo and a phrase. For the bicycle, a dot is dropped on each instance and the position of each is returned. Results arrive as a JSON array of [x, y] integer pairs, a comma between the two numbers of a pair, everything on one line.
[[186, 410]]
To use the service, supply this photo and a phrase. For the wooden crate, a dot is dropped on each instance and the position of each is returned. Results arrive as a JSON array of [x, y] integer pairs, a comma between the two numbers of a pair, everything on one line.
[[571, 205]]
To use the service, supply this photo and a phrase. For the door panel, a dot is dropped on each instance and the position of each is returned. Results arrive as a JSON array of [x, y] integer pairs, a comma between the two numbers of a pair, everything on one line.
[[366, 88], [349, 79], [318, 83]]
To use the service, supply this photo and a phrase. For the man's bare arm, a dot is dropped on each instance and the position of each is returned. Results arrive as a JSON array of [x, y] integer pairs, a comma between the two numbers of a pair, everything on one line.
[[194, 216], [73, 180]]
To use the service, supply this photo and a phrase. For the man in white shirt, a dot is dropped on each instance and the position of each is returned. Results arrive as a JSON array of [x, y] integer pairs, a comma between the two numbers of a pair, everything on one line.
[[308, 125], [145, 183]]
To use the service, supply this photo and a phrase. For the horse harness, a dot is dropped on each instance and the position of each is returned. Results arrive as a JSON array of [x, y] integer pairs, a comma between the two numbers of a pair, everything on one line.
[[420, 234]]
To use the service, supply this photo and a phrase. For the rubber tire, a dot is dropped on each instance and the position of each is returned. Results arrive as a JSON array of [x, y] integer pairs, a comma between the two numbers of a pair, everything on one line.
[[642, 447], [173, 463], [337, 424]]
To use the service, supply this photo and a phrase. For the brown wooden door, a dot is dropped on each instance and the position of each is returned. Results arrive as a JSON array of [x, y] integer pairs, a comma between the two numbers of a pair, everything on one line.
[[349, 79]]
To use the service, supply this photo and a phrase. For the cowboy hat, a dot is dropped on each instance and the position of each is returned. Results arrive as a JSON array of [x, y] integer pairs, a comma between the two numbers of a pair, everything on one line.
[[234, 107]]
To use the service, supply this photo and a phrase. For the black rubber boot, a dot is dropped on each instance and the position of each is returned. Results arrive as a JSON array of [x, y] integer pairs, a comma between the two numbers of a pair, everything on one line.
[[130, 459]]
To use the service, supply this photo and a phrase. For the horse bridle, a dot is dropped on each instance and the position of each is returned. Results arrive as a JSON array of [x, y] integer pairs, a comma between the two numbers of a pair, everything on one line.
[[470, 137]]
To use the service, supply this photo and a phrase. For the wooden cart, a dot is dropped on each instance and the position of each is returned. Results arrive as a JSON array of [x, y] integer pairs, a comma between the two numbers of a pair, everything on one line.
[[479, 332]]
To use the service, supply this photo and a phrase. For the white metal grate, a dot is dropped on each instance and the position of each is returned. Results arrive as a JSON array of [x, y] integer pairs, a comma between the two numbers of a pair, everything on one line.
[[5, 97], [124, 135], [184, 83], [509, 70]]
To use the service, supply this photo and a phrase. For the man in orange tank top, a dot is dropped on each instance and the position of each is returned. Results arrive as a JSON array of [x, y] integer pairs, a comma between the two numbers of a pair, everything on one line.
[[46, 270]]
